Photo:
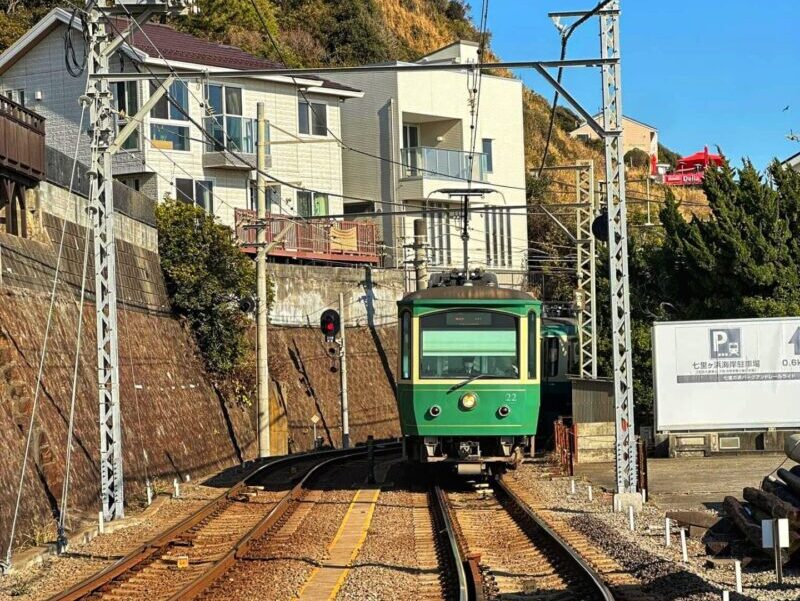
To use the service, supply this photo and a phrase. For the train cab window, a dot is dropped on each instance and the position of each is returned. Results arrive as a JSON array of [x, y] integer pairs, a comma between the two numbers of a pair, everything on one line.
[[573, 358], [533, 345], [552, 352], [466, 343], [405, 346]]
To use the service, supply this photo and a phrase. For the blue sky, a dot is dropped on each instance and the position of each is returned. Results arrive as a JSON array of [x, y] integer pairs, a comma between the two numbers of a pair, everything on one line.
[[709, 72]]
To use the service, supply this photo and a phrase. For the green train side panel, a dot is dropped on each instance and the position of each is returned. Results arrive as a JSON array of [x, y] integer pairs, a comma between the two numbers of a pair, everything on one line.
[[414, 402]]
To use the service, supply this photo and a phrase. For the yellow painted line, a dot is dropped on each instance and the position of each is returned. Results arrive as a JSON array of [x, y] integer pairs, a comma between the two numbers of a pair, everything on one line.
[[357, 548], [315, 586]]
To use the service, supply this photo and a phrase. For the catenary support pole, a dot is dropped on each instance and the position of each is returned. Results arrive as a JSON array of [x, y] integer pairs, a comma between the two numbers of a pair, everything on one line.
[[420, 261], [101, 205], [465, 236], [618, 251], [261, 287], [343, 375]]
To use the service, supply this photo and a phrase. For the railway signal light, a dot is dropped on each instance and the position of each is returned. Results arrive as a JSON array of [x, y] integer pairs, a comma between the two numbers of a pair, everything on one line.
[[330, 324]]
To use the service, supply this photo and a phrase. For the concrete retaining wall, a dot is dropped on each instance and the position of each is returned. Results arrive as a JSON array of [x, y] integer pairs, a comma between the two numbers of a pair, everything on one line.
[[595, 442], [303, 292]]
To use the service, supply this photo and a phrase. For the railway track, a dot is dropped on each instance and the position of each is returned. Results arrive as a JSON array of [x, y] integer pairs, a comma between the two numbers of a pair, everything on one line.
[[507, 551], [186, 560]]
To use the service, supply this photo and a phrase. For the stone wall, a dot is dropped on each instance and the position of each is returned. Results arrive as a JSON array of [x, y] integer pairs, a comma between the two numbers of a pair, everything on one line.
[[303, 292], [305, 384]]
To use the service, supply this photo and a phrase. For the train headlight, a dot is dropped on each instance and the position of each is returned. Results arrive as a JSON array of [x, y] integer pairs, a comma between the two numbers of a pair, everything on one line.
[[469, 400], [504, 411], [435, 410]]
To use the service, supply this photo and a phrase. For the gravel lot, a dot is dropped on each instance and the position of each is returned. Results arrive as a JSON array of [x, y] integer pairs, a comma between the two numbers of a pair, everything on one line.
[[643, 552]]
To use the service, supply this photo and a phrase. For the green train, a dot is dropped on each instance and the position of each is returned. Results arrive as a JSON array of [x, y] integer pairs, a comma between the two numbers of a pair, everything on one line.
[[468, 391]]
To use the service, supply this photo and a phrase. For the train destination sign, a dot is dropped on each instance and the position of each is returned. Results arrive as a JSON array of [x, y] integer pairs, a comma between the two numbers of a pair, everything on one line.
[[727, 374]]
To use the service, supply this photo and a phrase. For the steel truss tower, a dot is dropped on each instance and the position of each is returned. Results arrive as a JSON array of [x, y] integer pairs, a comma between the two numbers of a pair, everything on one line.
[[103, 42], [586, 211], [618, 250]]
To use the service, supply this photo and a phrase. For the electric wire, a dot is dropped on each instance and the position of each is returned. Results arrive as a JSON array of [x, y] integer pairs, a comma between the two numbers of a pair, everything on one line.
[[48, 324], [565, 35], [62, 513]]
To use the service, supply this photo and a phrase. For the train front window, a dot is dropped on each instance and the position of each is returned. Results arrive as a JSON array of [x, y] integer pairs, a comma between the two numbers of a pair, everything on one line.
[[463, 344]]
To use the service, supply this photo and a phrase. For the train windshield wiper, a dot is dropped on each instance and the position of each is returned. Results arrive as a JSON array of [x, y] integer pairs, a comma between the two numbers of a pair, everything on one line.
[[465, 382]]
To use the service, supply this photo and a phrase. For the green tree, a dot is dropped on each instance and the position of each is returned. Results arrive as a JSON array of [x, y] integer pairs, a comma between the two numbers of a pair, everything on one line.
[[206, 273]]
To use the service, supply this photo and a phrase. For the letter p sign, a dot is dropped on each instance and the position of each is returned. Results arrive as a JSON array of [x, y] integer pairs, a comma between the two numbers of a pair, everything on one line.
[[725, 343]]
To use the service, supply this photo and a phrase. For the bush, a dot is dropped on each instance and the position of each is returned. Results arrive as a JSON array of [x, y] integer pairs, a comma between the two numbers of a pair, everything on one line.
[[637, 158], [205, 274]]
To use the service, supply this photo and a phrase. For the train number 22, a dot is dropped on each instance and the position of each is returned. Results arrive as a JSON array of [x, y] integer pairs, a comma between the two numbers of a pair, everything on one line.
[[511, 397]]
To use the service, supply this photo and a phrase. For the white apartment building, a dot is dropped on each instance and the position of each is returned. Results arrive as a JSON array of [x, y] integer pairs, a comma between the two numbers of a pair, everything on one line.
[[420, 124], [169, 154]]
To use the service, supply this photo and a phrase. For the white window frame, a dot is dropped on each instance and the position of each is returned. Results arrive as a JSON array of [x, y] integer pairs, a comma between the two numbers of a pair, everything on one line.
[[195, 180], [310, 118], [489, 155], [275, 201], [137, 133], [173, 122], [16, 95], [222, 120]]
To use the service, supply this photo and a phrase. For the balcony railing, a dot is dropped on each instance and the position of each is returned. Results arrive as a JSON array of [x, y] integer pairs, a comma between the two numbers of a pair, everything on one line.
[[311, 239], [21, 140], [424, 161]]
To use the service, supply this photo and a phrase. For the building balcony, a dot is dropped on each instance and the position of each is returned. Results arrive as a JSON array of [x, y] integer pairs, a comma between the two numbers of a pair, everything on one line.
[[442, 163], [311, 239], [232, 134], [21, 141]]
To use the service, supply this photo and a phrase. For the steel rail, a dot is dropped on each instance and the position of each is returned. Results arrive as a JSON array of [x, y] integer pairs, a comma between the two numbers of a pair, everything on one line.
[[153, 546], [555, 538], [469, 588], [204, 581]]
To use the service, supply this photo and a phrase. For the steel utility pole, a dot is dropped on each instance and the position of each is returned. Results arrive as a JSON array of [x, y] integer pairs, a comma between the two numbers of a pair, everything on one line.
[[586, 259], [101, 47], [261, 277], [618, 250], [343, 376], [101, 206]]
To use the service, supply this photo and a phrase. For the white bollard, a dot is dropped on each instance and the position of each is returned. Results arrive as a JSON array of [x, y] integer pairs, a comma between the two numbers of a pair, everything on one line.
[[644, 495], [177, 487], [187, 478], [149, 494], [630, 518], [590, 494], [684, 553], [667, 532], [101, 527], [726, 596], [572, 486], [738, 567], [616, 503]]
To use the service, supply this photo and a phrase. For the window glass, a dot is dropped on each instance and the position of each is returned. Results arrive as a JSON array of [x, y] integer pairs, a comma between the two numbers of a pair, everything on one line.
[[405, 346], [320, 205], [180, 100], [320, 119], [533, 345], [184, 190], [458, 344], [204, 195], [552, 351], [214, 99], [126, 98], [487, 150], [169, 137], [304, 204], [302, 118], [573, 357], [233, 101]]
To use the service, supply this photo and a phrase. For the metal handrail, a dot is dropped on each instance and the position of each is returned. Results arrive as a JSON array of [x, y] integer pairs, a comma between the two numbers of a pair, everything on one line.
[[448, 163]]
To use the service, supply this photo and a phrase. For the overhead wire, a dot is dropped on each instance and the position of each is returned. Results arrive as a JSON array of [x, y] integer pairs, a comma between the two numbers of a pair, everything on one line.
[[48, 324], [566, 33], [63, 509]]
